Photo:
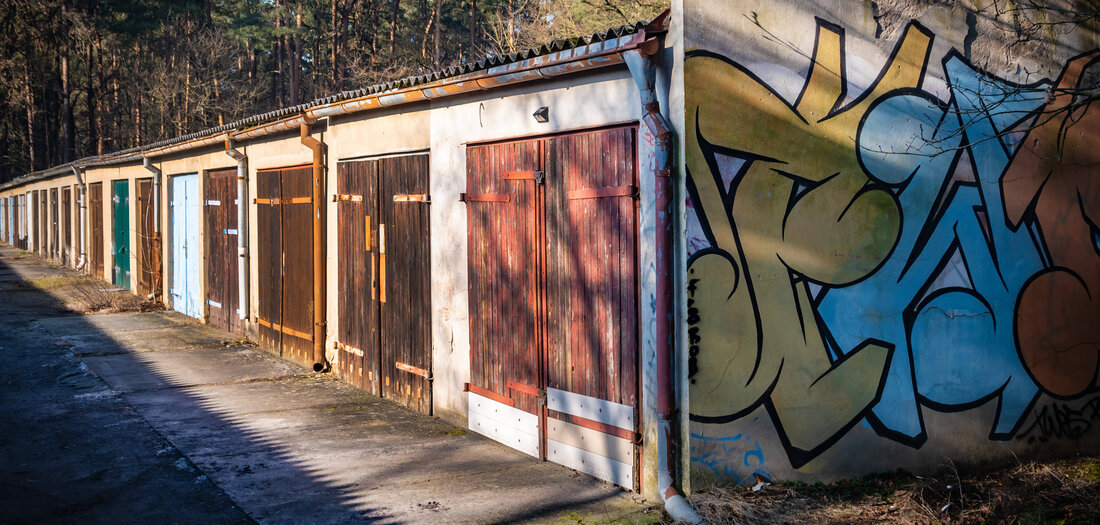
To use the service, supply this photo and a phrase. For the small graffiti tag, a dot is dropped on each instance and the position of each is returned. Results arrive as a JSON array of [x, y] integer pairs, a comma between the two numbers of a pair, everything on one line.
[[720, 455], [1061, 421]]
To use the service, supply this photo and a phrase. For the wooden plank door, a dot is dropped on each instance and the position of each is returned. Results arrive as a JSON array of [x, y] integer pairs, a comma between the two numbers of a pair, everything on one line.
[[591, 307], [95, 228], [220, 211], [55, 227], [385, 297], [358, 356], [502, 225], [148, 241], [120, 238], [186, 212], [285, 228], [40, 222], [67, 225], [269, 275], [553, 299], [404, 288], [297, 230]]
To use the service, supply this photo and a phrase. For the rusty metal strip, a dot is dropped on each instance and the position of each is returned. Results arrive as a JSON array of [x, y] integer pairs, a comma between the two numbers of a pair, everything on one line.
[[523, 175], [350, 349], [412, 370], [610, 191], [485, 197], [366, 242], [347, 197], [484, 392], [633, 437], [277, 202], [420, 197], [526, 389], [382, 263], [286, 330]]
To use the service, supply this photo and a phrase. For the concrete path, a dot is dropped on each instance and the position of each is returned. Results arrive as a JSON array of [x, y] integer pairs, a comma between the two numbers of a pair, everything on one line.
[[150, 416]]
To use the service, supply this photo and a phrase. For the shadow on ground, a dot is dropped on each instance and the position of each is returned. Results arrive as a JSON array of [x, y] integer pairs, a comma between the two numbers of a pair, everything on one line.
[[151, 415]]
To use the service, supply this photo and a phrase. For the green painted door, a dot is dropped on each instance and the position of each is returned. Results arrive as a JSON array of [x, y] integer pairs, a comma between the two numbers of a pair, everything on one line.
[[120, 239]]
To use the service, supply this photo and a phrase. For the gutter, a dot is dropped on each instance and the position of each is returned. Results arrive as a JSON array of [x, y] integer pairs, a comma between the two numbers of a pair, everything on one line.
[[320, 364], [242, 227], [148, 163], [642, 68], [83, 214]]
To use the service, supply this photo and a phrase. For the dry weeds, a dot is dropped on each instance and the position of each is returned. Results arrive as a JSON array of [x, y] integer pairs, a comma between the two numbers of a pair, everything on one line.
[[84, 294], [1057, 492]]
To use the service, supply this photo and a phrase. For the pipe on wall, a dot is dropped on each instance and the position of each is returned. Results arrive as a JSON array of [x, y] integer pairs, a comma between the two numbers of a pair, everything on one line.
[[148, 164], [320, 363], [639, 61], [83, 213], [242, 226]]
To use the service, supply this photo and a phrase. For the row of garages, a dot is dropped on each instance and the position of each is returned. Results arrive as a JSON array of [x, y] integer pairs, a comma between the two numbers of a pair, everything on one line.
[[432, 243]]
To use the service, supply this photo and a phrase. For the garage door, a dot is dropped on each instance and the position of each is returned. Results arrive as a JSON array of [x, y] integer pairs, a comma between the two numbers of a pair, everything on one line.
[[552, 229], [384, 338]]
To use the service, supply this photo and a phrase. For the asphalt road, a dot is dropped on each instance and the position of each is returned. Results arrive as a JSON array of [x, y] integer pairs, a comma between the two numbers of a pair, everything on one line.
[[144, 417]]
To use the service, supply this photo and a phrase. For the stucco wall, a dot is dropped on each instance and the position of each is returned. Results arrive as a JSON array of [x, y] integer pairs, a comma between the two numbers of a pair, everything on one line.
[[892, 260]]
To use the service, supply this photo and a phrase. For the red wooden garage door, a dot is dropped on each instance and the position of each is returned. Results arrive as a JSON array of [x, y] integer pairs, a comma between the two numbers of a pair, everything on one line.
[[552, 227]]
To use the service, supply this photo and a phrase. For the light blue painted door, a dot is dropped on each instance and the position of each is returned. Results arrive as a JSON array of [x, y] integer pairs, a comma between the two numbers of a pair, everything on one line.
[[186, 250]]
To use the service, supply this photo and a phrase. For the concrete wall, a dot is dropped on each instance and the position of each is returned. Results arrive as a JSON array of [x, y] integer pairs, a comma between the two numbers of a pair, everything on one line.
[[892, 260]]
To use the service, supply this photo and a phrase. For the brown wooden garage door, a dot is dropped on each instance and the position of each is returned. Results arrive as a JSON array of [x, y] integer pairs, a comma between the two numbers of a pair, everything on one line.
[[66, 225], [285, 260], [95, 229], [55, 225], [384, 336], [220, 210], [40, 223], [149, 261], [552, 228]]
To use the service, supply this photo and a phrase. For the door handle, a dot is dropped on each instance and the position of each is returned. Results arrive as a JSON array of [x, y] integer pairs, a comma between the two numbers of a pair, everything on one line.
[[382, 262]]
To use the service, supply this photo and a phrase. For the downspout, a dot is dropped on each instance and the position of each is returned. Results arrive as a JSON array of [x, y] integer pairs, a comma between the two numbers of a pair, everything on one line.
[[148, 163], [83, 212], [320, 364], [668, 446], [242, 226]]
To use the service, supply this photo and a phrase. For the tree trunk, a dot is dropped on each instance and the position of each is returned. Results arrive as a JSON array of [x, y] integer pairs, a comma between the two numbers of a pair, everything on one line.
[[29, 99], [473, 28], [278, 59], [393, 29], [68, 121], [438, 37], [296, 60], [93, 136], [217, 92], [424, 40], [99, 100], [334, 47]]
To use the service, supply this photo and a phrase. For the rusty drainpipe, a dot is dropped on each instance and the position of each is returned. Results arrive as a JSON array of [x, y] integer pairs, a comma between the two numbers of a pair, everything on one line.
[[148, 164], [83, 213], [668, 446], [320, 364], [242, 226]]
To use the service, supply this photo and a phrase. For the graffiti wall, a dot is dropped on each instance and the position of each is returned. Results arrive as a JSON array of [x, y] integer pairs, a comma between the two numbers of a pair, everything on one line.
[[893, 251]]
